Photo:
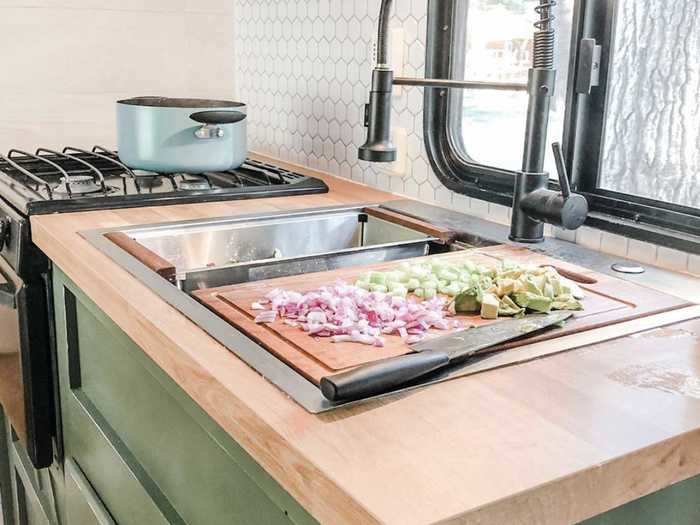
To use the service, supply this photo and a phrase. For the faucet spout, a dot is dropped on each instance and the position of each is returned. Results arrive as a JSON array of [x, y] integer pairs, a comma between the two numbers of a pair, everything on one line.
[[534, 204], [378, 147]]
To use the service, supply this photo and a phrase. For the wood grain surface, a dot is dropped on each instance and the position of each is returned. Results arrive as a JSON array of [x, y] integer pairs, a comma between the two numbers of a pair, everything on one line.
[[551, 441], [151, 259], [607, 301], [438, 232]]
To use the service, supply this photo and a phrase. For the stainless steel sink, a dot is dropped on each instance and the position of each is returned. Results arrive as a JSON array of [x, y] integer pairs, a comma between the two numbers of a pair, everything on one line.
[[224, 251], [227, 251]]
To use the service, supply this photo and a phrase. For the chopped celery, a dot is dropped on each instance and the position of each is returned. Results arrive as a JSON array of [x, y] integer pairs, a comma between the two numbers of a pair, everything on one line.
[[412, 284], [399, 291], [363, 284], [377, 278]]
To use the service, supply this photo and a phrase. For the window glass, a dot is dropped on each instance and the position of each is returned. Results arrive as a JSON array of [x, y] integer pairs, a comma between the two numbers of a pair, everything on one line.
[[499, 49], [652, 127]]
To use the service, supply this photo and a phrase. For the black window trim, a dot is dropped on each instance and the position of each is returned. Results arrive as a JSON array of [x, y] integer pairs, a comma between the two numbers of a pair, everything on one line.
[[644, 219]]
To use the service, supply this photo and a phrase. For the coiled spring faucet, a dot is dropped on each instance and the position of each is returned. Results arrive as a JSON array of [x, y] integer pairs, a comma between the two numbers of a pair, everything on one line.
[[533, 204]]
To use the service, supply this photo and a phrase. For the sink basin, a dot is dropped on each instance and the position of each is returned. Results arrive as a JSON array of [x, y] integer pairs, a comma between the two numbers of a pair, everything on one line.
[[214, 253]]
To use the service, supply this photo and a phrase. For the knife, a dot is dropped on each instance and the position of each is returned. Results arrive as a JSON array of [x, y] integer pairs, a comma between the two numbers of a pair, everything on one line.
[[430, 356]]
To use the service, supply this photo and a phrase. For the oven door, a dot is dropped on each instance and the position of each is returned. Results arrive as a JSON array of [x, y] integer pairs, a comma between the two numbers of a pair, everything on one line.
[[25, 363]]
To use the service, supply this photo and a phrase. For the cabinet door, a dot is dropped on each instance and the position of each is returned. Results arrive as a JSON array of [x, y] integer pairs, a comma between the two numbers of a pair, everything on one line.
[[6, 501], [83, 505]]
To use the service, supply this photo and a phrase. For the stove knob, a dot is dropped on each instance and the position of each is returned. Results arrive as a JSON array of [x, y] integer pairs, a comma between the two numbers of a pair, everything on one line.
[[5, 224]]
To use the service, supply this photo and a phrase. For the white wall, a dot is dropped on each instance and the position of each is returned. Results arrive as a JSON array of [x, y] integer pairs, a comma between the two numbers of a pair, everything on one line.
[[63, 63]]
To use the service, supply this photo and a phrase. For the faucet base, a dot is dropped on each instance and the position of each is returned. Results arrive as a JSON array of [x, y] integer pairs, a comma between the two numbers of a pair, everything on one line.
[[524, 227]]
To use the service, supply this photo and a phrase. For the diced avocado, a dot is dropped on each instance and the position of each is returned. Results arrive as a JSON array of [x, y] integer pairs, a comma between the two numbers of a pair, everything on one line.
[[380, 288], [508, 308], [548, 291], [555, 282], [568, 304], [467, 302], [505, 287], [489, 306], [532, 301], [535, 284]]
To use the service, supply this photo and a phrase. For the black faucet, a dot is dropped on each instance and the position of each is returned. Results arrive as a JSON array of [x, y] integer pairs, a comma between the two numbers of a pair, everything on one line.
[[533, 204]]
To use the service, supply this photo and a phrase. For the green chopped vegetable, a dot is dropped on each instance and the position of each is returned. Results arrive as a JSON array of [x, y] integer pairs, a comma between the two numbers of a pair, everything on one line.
[[399, 291], [489, 306], [363, 284], [564, 302], [429, 293], [511, 289], [535, 302], [377, 278], [507, 307], [413, 283], [467, 302]]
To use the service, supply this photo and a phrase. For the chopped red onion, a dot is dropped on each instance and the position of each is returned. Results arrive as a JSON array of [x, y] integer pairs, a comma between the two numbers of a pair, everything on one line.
[[347, 313], [267, 316]]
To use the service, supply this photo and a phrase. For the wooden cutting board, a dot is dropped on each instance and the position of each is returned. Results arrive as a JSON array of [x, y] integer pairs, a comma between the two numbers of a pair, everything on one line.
[[608, 301]]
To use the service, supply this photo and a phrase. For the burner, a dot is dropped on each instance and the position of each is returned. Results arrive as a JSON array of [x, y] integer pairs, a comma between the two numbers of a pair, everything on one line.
[[145, 174], [148, 179], [194, 183], [77, 185]]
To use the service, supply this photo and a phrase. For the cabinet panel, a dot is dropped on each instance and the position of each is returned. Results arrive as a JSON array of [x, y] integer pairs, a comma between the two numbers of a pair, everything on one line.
[[83, 505], [189, 467]]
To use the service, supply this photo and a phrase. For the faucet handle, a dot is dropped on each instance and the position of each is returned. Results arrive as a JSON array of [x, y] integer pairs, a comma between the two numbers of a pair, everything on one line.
[[561, 170]]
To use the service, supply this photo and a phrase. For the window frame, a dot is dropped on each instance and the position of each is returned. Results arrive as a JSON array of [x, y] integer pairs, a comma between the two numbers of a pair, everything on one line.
[[658, 222]]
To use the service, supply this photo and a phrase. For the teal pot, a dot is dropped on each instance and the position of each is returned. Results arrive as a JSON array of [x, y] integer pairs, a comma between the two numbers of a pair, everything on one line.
[[181, 135]]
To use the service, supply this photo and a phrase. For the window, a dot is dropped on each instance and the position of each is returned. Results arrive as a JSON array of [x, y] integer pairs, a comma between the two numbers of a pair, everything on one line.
[[498, 48], [632, 142], [652, 128]]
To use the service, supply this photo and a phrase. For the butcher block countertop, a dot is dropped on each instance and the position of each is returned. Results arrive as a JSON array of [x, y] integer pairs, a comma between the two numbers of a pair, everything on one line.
[[552, 441]]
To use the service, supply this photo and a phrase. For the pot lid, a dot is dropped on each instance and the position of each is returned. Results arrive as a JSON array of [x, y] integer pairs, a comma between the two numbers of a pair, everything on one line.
[[167, 102]]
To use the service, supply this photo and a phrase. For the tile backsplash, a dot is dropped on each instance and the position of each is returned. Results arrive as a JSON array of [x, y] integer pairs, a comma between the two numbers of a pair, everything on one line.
[[304, 67]]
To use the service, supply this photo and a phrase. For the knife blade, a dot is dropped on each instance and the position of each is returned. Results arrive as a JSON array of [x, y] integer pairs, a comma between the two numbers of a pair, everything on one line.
[[430, 356]]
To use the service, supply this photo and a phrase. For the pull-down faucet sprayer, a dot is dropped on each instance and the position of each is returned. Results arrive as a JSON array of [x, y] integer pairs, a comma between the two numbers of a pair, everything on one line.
[[533, 204]]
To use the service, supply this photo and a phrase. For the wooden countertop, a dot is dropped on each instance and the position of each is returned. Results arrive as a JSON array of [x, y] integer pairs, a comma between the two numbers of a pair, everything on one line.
[[551, 441]]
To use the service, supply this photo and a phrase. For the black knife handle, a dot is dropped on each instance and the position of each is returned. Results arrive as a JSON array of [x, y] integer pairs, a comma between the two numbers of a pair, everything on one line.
[[382, 376]]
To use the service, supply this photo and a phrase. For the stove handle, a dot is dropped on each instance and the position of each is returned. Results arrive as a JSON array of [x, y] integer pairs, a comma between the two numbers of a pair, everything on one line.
[[211, 121], [9, 286], [5, 225]]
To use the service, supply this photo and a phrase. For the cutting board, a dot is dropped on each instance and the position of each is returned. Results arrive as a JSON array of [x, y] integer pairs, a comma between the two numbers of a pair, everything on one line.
[[608, 301]]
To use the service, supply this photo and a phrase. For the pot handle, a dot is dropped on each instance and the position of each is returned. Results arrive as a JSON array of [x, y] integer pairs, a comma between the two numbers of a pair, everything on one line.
[[213, 118]]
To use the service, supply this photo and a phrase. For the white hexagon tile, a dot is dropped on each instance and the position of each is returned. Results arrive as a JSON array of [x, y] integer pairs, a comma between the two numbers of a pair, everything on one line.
[[304, 67]]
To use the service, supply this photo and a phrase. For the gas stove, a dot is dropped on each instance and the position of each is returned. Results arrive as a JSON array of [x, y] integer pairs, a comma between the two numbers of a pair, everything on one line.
[[75, 179]]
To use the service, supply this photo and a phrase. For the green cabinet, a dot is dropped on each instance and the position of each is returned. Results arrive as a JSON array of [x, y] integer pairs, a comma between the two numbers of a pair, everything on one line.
[[83, 505], [29, 496], [137, 448]]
